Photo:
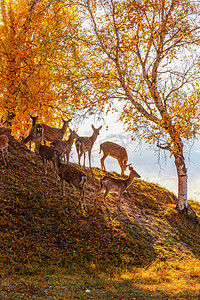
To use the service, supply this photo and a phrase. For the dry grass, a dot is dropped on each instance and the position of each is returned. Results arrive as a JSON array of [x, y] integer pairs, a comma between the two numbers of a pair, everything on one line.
[[147, 251]]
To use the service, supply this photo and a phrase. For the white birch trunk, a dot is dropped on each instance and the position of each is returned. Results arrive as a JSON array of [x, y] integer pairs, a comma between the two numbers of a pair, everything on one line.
[[182, 182]]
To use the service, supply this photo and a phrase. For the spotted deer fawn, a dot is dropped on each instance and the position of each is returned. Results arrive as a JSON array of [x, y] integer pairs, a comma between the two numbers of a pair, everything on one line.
[[84, 144], [49, 133], [71, 174], [64, 147], [111, 184], [116, 151], [4, 148]]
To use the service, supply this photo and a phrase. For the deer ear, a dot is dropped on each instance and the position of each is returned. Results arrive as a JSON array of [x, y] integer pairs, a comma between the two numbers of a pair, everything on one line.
[[100, 127], [93, 127]]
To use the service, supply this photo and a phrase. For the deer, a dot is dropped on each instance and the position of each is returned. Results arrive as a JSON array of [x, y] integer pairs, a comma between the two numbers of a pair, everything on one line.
[[47, 154], [84, 144], [4, 148], [116, 151], [52, 134], [36, 136], [71, 174], [117, 185], [65, 146], [49, 133]]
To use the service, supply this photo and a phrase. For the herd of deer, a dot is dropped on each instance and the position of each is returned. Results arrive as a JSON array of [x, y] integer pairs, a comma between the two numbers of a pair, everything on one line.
[[60, 149]]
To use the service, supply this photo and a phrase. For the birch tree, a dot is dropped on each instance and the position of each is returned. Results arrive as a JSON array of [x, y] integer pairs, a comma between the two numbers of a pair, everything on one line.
[[145, 53]]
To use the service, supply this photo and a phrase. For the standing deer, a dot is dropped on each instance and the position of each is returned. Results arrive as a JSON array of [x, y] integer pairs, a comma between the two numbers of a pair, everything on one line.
[[65, 146], [111, 184], [52, 134], [71, 174], [47, 154], [116, 151], [49, 133], [36, 136], [4, 148], [84, 144]]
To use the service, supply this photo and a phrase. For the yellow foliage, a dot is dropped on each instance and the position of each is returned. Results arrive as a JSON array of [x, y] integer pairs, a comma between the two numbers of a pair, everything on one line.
[[36, 58]]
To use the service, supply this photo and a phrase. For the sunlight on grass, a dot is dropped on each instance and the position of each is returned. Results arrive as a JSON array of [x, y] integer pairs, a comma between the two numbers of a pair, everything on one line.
[[173, 279]]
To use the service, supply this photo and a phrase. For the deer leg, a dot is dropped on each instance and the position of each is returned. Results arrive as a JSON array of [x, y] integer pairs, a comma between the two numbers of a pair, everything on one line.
[[79, 159], [67, 155], [121, 166], [102, 162], [124, 165], [89, 156]]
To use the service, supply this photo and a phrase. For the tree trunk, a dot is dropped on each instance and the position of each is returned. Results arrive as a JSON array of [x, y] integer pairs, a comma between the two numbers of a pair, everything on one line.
[[182, 189], [182, 181]]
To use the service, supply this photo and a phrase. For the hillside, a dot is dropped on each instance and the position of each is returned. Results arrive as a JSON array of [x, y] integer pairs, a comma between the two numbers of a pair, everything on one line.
[[41, 230]]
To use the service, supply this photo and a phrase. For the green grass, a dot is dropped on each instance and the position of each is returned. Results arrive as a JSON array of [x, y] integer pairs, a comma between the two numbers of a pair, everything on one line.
[[52, 249]]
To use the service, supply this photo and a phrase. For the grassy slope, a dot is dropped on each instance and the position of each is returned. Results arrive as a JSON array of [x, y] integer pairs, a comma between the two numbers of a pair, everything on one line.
[[41, 231]]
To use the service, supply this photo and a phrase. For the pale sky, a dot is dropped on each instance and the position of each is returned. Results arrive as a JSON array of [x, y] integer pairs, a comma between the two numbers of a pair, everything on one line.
[[144, 160]]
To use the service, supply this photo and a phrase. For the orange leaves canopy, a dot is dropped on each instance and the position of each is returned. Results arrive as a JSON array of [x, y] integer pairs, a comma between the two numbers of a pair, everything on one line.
[[37, 56]]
